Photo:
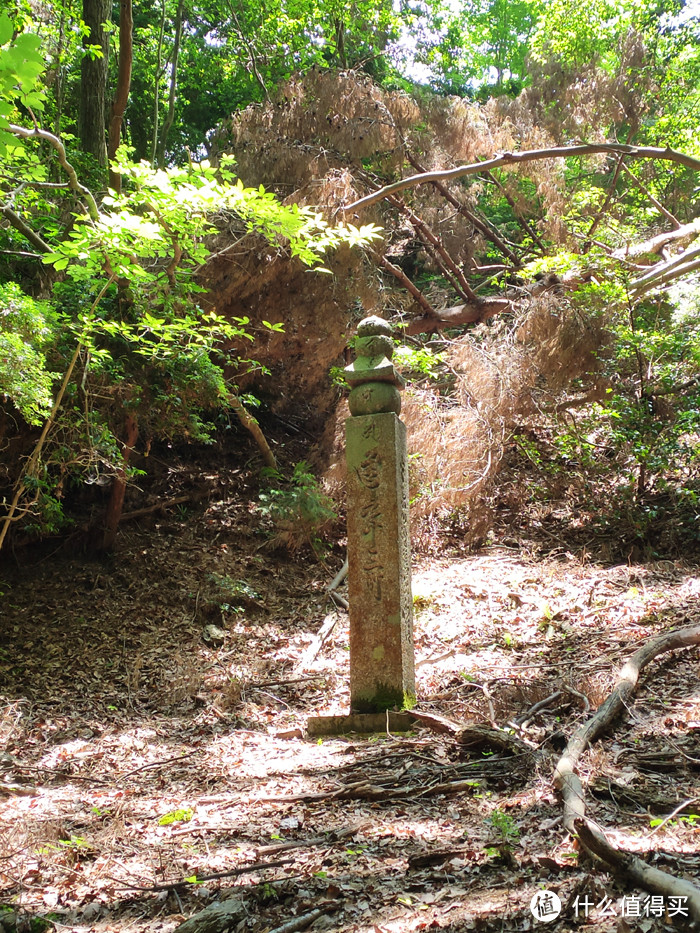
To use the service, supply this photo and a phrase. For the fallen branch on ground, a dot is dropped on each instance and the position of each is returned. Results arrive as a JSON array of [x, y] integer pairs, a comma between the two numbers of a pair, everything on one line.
[[215, 876], [363, 790], [225, 914], [634, 869], [570, 787], [149, 509], [319, 640], [566, 780], [302, 921]]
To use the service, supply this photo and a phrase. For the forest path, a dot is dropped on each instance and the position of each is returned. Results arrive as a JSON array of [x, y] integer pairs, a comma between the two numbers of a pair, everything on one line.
[[149, 755]]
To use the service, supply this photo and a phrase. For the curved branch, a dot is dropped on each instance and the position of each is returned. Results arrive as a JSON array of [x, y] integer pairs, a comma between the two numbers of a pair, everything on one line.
[[569, 784], [530, 155], [37, 133], [566, 780]]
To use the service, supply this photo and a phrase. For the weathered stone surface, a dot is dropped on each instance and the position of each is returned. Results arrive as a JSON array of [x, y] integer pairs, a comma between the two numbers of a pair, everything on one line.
[[371, 398], [373, 365], [370, 326], [371, 369], [379, 577], [378, 345], [360, 722]]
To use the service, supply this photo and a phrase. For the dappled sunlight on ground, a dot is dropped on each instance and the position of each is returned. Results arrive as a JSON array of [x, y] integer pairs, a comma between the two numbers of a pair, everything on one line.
[[153, 722]]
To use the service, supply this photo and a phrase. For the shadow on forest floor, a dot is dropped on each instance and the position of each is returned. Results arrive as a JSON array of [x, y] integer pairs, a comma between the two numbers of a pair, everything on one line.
[[153, 730]]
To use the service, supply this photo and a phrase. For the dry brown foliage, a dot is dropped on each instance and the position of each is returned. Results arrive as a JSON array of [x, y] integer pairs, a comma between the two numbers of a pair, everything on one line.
[[587, 103], [313, 145], [562, 343], [496, 379]]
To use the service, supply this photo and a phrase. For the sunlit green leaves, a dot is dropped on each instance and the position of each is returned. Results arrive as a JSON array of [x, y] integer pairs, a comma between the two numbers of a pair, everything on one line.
[[25, 332], [21, 64]]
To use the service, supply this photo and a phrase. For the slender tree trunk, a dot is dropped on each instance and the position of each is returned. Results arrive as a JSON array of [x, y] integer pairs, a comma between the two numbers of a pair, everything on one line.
[[116, 501], [340, 51], [156, 85], [121, 96], [60, 72], [173, 84], [93, 80]]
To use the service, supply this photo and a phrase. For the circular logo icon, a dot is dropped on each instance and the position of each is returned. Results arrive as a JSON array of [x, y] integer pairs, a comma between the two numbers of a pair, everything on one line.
[[545, 906]]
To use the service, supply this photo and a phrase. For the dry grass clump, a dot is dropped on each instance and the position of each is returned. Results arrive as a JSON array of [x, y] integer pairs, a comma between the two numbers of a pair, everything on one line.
[[497, 379], [561, 342], [584, 101], [452, 460], [318, 122]]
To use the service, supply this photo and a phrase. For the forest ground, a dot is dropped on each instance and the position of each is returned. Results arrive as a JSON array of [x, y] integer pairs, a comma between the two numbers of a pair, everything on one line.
[[140, 746]]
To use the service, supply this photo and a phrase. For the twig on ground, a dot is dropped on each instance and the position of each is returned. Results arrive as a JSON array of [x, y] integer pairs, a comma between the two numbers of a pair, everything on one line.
[[577, 693], [340, 601], [438, 723], [363, 790], [182, 883], [523, 721], [329, 840], [319, 639], [682, 806], [157, 506], [339, 577], [302, 921], [287, 683], [436, 659], [154, 764]]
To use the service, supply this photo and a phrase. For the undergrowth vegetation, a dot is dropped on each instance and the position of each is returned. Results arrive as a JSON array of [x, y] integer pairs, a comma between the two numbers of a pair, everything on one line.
[[547, 294]]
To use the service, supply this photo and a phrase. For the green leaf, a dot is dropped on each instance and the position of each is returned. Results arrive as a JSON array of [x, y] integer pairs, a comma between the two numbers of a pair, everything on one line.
[[183, 815], [5, 29]]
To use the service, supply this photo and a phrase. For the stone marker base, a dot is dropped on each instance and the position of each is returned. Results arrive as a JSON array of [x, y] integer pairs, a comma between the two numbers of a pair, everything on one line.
[[360, 722]]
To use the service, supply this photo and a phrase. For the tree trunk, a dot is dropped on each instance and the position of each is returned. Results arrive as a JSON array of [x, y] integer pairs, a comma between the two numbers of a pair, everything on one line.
[[156, 85], [121, 96], [173, 84], [116, 501], [93, 80]]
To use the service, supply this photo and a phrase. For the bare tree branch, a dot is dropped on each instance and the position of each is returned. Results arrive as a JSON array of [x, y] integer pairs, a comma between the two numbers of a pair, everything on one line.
[[482, 225], [16, 221], [531, 155], [37, 133], [527, 227], [647, 194], [655, 244], [606, 204], [434, 244], [406, 282]]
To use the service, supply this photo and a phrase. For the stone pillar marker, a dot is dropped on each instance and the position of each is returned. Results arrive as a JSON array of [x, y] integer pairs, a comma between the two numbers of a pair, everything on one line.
[[382, 670]]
